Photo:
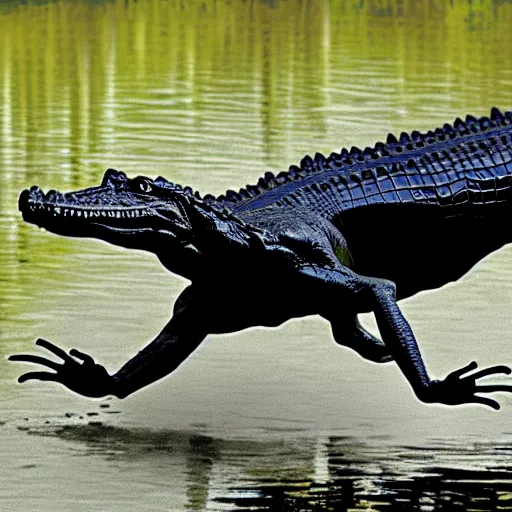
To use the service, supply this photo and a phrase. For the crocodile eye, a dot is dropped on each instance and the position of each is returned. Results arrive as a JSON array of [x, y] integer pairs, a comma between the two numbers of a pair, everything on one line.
[[142, 185], [145, 186]]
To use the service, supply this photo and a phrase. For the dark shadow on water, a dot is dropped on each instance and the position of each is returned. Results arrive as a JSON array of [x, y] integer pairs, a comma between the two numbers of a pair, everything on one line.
[[283, 472]]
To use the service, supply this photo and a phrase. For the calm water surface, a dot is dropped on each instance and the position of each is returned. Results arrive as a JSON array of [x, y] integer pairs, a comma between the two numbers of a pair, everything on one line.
[[213, 94]]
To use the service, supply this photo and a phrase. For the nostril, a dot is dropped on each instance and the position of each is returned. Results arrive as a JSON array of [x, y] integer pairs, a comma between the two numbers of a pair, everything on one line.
[[113, 177], [33, 194], [36, 192]]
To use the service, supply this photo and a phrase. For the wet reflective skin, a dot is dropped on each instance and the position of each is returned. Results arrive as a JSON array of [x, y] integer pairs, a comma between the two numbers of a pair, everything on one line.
[[214, 95], [288, 228]]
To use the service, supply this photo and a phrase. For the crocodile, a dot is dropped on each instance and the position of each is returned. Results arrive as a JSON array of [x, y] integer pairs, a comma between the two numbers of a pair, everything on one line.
[[336, 236]]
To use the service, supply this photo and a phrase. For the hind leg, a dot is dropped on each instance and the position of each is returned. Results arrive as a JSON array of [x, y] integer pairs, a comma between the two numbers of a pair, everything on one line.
[[379, 295], [350, 333]]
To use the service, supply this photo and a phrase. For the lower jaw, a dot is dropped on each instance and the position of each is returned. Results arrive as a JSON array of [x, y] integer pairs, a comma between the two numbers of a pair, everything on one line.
[[72, 225]]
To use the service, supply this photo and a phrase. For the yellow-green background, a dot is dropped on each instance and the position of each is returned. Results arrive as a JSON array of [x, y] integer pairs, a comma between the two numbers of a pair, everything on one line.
[[213, 94]]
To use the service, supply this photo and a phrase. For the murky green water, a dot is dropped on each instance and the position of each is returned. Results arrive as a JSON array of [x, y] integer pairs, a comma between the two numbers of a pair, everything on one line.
[[213, 94]]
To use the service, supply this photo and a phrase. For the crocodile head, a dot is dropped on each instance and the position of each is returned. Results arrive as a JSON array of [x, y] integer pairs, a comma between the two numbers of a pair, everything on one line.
[[140, 213], [119, 208], [137, 213]]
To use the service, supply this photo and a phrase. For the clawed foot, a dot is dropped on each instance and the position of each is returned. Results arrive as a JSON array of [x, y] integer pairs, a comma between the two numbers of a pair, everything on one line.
[[457, 389], [78, 372]]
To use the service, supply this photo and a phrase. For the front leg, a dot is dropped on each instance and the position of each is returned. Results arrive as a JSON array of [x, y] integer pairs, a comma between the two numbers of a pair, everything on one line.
[[378, 295], [79, 373]]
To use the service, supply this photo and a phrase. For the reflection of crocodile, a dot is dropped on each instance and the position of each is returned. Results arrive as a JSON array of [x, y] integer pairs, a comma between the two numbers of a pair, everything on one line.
[[332, 237]]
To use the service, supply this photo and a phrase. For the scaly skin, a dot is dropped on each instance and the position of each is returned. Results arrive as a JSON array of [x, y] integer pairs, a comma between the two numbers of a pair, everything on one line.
[[336, 237]]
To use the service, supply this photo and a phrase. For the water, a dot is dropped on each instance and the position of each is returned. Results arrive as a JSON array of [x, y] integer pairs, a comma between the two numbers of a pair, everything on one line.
[[213, 94]]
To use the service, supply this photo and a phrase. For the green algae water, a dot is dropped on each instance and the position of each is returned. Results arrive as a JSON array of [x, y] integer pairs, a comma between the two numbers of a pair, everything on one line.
[[213, 94]]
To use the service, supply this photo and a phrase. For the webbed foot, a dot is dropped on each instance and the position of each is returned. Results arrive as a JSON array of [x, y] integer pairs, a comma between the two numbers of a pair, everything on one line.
[[78, 372], [457, 389]]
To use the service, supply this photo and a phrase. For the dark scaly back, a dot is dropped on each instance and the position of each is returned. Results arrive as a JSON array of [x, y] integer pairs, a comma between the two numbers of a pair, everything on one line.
[[419, 209], [429, 206], [351, 178], [390, 172]]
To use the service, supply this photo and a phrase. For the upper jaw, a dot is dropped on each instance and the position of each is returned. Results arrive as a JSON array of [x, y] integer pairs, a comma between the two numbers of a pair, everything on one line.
[[56, 212]]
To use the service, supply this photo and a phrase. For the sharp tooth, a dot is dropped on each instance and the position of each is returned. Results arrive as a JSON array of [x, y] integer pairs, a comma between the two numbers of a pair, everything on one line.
[[56, 210], [191, 247], [103, 214], [72, 212], [65, 212], [111, 214], [118, 214], [78, 213], [137, 213], [85, 214]]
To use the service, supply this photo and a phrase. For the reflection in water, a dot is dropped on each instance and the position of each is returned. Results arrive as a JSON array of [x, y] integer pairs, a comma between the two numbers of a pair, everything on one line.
[[291, 474]]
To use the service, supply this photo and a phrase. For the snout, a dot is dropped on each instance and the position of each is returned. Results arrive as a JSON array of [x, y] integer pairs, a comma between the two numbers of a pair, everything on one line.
[[28, 196]]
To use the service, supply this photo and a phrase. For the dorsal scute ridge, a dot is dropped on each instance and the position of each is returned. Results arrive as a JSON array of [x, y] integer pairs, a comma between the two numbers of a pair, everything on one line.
[[294, 171], [368, 152], [307, 163], [320, 160], [162, 182], [391, 139], [393, 146], [231, 195], [404, 138], [459, 128]]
